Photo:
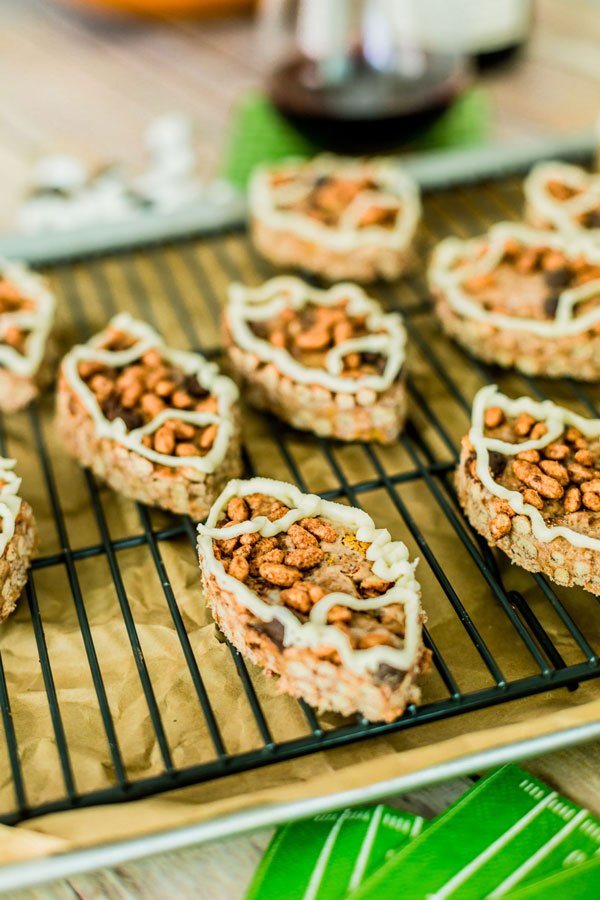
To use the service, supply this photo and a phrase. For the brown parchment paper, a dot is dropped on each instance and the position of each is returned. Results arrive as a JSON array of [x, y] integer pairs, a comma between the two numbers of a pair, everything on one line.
[[180, 290]]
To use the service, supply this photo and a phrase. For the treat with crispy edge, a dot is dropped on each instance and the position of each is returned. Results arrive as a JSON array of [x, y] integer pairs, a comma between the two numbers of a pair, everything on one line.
[[158, 425], [26, 317], [312, 591], [529, 482], [18, 538], [522, 298], [330, 362], [565, 197], [336, 217]]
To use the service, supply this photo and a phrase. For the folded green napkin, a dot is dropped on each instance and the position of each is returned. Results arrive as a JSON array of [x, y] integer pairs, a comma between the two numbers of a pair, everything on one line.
[[323, 857], [508, 830], [505, 836]]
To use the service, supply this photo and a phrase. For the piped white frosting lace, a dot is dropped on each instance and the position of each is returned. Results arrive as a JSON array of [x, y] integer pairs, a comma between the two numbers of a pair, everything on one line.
[[267, 201], [10, 502], [37, 321], [191, 363], [390, 563], [562, 214], [448, 278], [248, 305], [557, 419]]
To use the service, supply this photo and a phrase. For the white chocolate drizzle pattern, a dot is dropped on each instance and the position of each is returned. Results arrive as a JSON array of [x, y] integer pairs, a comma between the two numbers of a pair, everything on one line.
[[10, 502], [191, 363], [444, 276], [260, 304], [390, 563], [397, 189], [37, 322], [561, 214], [556, 419]]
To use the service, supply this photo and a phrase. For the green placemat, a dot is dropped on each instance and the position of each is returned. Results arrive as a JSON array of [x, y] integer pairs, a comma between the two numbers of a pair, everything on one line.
[[259, 133]]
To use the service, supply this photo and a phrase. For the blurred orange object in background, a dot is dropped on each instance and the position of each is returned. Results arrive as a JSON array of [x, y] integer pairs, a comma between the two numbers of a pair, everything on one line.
[[169, 7]]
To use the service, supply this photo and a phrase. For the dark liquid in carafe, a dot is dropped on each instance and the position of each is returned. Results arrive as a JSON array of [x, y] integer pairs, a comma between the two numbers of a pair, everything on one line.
[[368, 109]]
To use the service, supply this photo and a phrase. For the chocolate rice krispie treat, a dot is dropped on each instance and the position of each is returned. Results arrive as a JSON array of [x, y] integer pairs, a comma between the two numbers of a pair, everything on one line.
[[158, 425], [330, 362], [564, 197], [312, 591], [18, 538], [523, 298], [26, 317], [529, 482], [338, 218]]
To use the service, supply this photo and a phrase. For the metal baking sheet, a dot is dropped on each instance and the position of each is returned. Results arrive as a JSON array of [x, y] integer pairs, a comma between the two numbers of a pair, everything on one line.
[[181, 284]]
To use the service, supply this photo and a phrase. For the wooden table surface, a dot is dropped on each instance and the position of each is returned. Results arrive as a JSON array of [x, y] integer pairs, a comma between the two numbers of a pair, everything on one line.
[[89, 85]]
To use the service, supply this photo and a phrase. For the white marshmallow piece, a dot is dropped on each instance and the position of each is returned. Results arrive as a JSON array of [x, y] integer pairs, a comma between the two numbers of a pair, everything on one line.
[[60, 172]]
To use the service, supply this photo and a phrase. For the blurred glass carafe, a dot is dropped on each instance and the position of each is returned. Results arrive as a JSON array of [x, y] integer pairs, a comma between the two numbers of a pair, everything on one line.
[[355, 74], [489, 31]]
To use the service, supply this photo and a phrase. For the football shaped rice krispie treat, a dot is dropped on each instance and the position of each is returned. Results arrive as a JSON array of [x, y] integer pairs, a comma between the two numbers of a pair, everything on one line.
[[158, 425], [564, 197], [26, 316], [529, 482], [18, 538], [331, 362], [312, 591], [338, 218], [523, 298]]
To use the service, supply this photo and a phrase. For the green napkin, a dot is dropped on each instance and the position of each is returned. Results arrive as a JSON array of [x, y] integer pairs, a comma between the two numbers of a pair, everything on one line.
[[580, 883], [323, 857], [259, 133], [508, 830], [508, 834]]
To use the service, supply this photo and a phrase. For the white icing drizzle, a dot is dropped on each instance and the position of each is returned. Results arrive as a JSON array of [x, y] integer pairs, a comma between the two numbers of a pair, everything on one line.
[[556, 419], [37, 321], [271, 298], [448, 279], [561, 213], [191, 363], [397, 189], [10, 502], [389, 558]]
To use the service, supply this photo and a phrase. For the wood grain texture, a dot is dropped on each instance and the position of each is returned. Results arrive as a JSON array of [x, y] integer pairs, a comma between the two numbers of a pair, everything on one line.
[[88, 85]]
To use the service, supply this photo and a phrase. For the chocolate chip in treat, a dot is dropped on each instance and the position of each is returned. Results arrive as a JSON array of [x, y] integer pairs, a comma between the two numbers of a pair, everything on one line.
[[272, 629], [551, 305], [389, 674], [259, 330], [592, 219], [132, 420], [194, 388], [120, 341], [112, 409], [497, 463], [306, 317], [311, 278], [557, 277], [377, 360]]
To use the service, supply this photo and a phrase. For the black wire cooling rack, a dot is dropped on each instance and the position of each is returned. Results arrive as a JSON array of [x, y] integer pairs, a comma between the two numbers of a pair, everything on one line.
[[178, 288]]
